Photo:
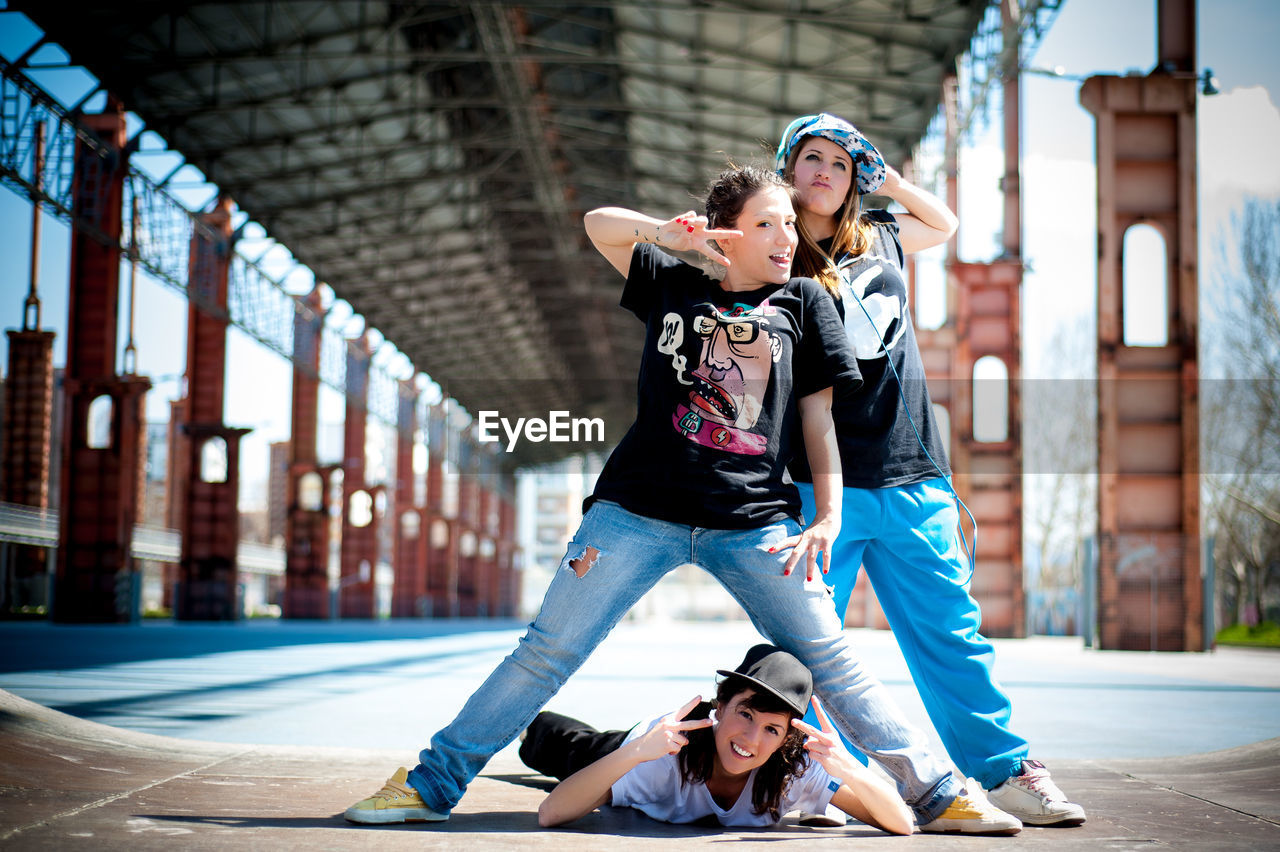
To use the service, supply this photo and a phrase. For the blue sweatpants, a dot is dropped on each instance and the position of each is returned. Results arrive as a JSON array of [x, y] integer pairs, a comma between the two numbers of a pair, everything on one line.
[[907, 539]]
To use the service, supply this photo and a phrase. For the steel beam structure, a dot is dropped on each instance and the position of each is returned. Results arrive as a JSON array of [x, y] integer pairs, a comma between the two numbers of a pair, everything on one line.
[[1149, 564]]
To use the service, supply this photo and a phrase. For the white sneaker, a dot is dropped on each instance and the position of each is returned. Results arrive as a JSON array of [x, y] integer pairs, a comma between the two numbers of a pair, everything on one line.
[[1033, 798], [971, 813]]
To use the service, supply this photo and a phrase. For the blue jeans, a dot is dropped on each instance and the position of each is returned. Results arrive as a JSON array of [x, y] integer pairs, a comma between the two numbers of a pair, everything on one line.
[[634, 553], [907, 540]]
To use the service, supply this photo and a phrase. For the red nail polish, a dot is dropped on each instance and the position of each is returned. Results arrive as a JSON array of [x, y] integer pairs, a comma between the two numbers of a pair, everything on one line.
[[691, 229]]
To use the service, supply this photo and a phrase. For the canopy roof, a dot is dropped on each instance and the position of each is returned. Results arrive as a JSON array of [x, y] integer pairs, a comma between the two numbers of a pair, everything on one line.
[[431, 162]]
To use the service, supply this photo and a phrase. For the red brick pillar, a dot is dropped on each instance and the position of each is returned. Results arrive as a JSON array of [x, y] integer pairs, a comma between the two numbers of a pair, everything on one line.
[[988, 474], [101, 461], [469, 581], [209, 516], [409, 588], [441, 534], [360, 520], [306, 576], [24, 470], [508, 551], [1149, 586], [488, 581]]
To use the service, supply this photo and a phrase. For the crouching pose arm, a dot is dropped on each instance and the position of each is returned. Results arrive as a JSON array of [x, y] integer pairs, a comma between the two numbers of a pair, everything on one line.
[[863, 795]]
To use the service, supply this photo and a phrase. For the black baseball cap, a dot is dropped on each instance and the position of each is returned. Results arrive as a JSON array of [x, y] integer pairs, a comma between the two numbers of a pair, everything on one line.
[[773, 670]]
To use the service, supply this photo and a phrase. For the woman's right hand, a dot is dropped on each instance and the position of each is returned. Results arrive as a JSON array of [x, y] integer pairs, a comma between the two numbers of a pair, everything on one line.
[[689, 232], [667, 736]]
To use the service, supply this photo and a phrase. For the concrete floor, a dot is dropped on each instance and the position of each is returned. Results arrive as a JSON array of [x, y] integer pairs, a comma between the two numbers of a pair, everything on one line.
[[270, 731]]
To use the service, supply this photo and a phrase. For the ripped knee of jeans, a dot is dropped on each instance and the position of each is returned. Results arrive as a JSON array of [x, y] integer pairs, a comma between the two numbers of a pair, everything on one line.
[[584, 561]]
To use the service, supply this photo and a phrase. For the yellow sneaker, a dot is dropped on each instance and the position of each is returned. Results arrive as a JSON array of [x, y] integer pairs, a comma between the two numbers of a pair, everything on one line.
[[395, 802], [972, 814]]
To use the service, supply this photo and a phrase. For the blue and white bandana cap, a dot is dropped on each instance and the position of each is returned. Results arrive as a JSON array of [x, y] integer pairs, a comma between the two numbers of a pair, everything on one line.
[[868, 165]]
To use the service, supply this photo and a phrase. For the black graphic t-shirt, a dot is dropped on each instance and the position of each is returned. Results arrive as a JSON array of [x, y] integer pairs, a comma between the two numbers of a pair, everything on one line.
[[717, 417], [878, 447]]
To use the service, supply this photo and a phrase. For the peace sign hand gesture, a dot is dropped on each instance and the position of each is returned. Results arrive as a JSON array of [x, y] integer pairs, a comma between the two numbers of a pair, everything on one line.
[[667, 736], [862, 794], [825, 746], [689, 232]]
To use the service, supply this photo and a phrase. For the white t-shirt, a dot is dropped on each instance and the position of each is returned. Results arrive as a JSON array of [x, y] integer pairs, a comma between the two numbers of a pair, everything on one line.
[[655, 789]]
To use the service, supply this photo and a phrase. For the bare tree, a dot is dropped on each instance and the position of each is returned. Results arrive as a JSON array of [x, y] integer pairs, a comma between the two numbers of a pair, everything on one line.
[[1060, 461], [1241, 414]]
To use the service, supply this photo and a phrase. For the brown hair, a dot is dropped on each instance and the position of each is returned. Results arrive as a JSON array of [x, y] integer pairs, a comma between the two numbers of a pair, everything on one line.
[[728, 193], [853, 236], [697, 759]]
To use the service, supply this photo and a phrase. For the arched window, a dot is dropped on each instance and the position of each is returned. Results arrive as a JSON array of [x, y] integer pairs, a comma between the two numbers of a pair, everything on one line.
[[1145, 287], [410, 524], [931, 288], [990, 400], [943, 418], [213, 460], [311, 491], [101, 413], [439, 533], [360, 510]]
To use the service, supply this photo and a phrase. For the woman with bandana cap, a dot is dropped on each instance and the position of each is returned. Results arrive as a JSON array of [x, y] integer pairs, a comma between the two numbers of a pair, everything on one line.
[[900, 518]]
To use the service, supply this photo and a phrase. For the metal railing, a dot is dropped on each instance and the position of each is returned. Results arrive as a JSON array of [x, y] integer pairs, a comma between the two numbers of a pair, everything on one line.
[[39, 527]]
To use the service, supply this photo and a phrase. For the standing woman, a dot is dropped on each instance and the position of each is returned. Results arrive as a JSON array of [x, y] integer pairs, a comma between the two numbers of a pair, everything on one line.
[[730, 374], [900, 520]]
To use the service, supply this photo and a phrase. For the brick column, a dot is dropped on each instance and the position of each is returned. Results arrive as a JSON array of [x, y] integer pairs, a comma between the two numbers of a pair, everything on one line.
[[306, 577], [359, 553], [209, 516], [101, 460], [409, 589]]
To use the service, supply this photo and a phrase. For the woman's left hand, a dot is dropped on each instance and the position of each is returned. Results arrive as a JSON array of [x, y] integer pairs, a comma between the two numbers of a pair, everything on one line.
[[892, 180], [816, 539], [825, 745]]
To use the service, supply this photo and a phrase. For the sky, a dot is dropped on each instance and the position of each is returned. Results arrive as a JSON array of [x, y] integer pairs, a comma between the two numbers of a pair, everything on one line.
[[1239, 135]]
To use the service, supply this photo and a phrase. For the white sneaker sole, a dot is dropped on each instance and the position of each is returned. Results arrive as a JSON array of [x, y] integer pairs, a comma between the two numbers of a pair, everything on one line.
[[1065, 819], [967, 827], [392, 816]]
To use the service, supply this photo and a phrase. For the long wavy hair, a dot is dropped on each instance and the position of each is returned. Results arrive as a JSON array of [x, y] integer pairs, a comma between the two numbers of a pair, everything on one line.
[[853, 236], [698, 758]]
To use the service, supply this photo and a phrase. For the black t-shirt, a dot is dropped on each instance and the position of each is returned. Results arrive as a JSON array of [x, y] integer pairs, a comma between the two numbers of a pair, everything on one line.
[[717, 417], [878, 447]]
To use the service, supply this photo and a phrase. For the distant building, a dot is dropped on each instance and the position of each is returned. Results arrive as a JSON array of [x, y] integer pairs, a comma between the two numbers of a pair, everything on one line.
[[277, 491], [550, 509], [155, 475]]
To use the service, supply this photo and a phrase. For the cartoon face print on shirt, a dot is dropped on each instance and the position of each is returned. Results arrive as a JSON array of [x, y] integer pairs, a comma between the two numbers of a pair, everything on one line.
[[738, 352]]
